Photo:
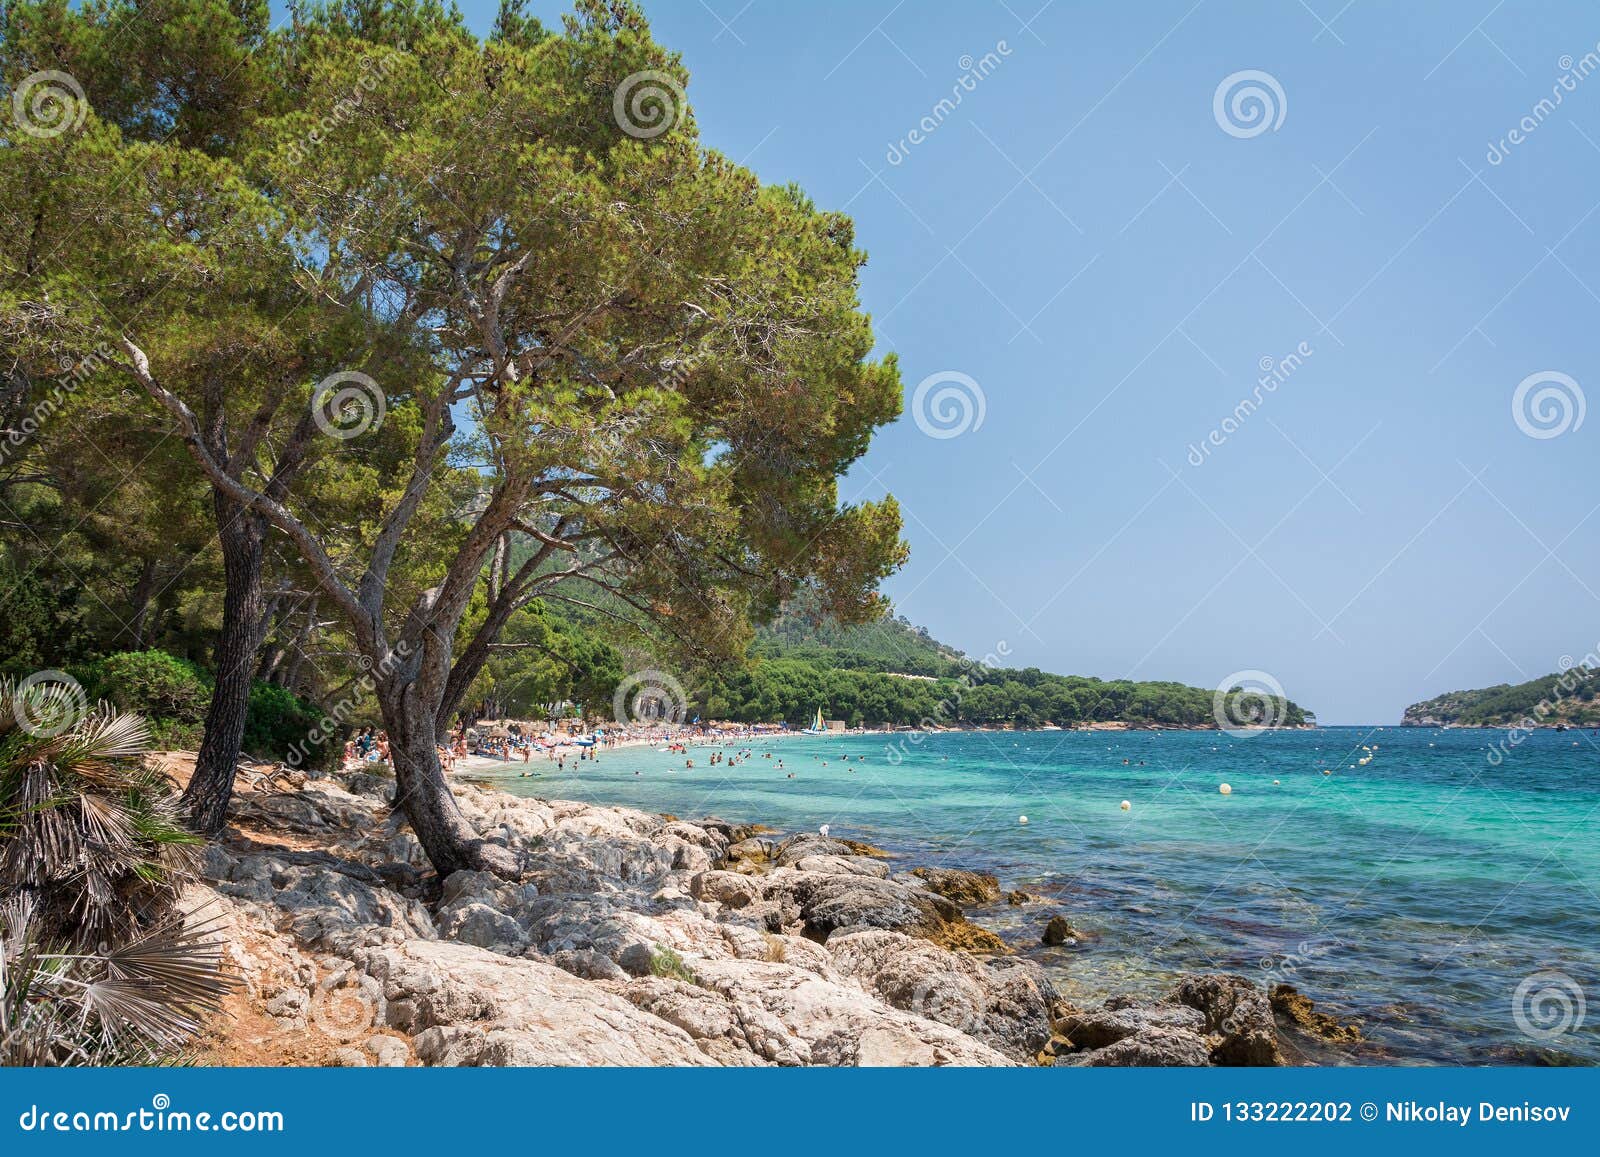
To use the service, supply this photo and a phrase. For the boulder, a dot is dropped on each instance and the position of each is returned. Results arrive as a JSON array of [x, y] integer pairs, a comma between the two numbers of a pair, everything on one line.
[[1151, 1047], [843, 866], [964, 887], [730, 889], [477, 923], [1005, 1004], [798, 847], [1097, 1028], [374, 787], [588, 964], [751, 850], [731, 1031], [1300, 1011], [824, 903], [1238, 1018], [1061, 931], [465, 1006], [388, 1052], [331, 904], [840, 1022], [961, 936]]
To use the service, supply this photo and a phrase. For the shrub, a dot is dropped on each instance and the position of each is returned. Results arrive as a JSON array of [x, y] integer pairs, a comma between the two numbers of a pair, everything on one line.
[[90, 835], [666, 962], [281, 725], [170, 693], [97, 963]]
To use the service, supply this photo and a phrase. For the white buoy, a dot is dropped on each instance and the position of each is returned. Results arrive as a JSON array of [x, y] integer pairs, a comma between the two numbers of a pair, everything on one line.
[[1274, 783], [1022, 819], [1125, 805], [1225, 789]]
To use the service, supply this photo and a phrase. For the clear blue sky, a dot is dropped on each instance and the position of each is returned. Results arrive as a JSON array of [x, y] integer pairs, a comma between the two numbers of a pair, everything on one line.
[[1083, 239]]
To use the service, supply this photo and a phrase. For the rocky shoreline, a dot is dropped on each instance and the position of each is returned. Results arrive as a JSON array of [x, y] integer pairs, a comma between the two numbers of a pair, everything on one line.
[[638, 939]]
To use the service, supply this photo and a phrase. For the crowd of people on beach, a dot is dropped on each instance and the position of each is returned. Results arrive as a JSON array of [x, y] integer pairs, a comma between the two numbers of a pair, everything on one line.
[[518, 742]]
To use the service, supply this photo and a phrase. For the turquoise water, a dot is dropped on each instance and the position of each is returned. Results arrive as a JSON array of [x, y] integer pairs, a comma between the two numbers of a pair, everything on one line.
[[1415, 893]]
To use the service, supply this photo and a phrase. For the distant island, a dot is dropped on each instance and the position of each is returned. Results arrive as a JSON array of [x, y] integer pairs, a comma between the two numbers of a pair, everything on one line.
[[1565, 699]]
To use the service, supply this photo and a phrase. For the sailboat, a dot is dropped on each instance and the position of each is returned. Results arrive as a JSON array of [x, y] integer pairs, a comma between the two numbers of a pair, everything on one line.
[[817, 727]]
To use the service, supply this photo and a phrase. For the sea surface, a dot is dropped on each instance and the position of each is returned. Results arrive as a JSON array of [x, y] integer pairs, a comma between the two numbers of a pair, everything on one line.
[[1445, 894]]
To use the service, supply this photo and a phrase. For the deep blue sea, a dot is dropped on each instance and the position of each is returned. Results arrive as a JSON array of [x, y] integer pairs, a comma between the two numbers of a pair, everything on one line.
[[1446, 893]]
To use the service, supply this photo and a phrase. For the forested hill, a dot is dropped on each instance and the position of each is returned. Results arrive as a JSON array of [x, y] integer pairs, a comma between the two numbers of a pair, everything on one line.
[[1567, 698], [894, 672], [892, 643]]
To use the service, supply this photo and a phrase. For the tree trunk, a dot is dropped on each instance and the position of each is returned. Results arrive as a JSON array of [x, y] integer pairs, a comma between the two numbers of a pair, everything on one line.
[[291, 677], [422, 793], [471, 661], [272, 645], [241, 534], [143, 590]]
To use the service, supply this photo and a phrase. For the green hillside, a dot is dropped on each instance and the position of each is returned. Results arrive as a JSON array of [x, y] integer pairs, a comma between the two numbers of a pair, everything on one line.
[[895, 672], [1567, 698], [893, 643]]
